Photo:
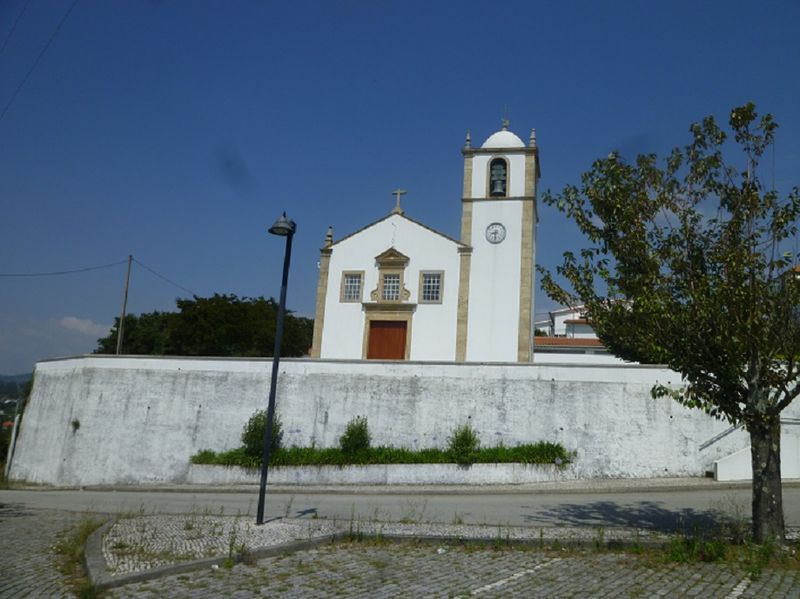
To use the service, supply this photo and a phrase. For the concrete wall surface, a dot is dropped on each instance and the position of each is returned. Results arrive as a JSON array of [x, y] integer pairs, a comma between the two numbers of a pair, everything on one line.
[[384, 474], [118, 420], [739, 465]]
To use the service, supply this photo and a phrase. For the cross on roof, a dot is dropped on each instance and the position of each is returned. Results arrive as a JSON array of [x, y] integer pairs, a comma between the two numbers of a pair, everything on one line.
[[398, 193]]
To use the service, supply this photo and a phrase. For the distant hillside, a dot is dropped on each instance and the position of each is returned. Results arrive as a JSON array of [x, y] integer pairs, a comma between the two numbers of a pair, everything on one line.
[[17, 378], [11, 384]]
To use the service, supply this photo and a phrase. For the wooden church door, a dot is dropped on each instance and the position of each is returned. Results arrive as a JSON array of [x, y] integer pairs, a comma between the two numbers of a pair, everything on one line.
[[387, 340]]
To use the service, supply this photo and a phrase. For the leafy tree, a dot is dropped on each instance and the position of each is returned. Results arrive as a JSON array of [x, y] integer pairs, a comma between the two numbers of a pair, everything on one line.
[[685, 267], [221, 325], [145, 334]]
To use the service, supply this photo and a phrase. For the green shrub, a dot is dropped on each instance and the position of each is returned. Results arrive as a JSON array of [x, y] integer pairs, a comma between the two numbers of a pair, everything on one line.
[[253, 435], [536, 453], [5, 443], [204, 456], [356, 436], [693, 548], [463, 445]]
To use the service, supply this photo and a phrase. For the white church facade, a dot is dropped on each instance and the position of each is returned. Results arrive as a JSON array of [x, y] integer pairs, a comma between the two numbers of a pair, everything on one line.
[[399, 290]]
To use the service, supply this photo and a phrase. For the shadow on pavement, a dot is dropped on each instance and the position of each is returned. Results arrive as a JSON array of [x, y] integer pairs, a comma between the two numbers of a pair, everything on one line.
[[646, 515], [12, 510]]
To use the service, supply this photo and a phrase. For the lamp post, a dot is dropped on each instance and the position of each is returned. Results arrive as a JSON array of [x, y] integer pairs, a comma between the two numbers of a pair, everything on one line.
[[283, 227]]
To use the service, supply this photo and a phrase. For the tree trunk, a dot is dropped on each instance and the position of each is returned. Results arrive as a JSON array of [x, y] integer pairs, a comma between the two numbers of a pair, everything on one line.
[[765, 441]]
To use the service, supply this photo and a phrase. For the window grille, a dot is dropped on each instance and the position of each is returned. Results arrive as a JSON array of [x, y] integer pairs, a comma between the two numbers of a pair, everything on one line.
[[352, 288], [431, 287], [391, 287]]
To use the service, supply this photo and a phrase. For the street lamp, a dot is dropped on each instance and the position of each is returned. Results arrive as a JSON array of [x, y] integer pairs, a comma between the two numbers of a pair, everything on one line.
[[283, 227]]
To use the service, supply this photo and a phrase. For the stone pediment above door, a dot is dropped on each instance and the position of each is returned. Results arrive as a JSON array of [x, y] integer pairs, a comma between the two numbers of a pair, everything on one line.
[[391, 258], [391, 266]]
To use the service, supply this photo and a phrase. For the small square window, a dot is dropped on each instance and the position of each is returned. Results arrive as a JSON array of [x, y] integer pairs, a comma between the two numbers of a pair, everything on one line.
[[431, 287], [351, 287], [391, 287]]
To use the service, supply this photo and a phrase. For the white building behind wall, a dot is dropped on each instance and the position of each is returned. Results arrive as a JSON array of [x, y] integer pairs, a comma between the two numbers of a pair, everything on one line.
[[572, 323], [397, 289]]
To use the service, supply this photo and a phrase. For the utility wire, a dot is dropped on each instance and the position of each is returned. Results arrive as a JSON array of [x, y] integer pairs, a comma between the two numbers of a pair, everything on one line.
[[160, 276], [89, 268], [38, 59], [62, 272], [14, 26]]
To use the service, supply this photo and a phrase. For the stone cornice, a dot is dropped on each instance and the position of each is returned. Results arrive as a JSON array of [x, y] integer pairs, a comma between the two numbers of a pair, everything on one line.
[[525, 150], [515, 199], [388, 307]]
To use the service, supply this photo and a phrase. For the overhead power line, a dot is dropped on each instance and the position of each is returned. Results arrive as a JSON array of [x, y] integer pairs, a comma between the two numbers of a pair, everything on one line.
[[56, 273], [160, 276], [38, 59], [14, 26], [61, 272]]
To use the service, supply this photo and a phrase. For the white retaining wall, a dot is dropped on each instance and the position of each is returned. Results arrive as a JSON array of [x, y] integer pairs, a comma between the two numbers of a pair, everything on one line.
[[384, 474], [139, 419]]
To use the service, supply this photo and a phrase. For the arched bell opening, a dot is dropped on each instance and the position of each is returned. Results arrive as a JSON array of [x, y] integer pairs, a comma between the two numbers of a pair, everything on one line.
[[498, 178]]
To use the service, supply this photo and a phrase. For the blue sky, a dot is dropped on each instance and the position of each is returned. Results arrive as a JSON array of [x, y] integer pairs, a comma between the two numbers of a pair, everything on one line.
[[178, 130]]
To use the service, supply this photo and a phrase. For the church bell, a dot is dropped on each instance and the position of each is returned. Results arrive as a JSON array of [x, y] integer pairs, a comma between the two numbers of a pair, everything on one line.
[[498, 189], [498, 177]]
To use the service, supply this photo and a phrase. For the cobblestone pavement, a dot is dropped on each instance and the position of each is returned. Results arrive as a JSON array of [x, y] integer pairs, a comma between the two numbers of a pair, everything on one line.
[[142, 543], [410, 570], [386, 569], [137, 544], [27, 562]]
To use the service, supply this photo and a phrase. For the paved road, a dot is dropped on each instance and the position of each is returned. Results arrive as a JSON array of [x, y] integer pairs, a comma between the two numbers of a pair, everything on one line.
[[654, 510], [27, 562], [376, 571], [380, 569]]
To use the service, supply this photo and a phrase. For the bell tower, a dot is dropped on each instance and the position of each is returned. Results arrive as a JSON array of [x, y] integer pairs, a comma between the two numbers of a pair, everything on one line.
[[498, 222]]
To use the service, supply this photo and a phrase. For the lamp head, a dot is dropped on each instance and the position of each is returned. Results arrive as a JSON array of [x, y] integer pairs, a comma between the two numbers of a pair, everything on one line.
[[283, 227]]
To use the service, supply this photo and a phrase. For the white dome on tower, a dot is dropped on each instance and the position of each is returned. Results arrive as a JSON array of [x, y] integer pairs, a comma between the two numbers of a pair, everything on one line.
[[503, 139]]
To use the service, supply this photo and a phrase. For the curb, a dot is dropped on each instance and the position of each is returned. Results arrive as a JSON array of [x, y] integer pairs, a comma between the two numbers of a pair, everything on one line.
[[573, 487], [103, 579]]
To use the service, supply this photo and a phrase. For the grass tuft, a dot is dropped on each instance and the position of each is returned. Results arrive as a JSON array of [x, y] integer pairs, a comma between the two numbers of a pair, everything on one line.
[[532, 453], [69, 551]]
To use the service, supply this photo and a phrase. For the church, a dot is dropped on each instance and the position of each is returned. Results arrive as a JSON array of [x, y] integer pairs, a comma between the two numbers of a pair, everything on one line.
[[397, 289]]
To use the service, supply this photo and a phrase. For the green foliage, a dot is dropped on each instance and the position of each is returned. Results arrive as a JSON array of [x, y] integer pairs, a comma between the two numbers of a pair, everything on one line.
[[542, 452], [145, 334], [204, 456], [536, 453], [689, 264], [220, 325], [692, 548], [711, 296], [69, 550], [5, 444], [463, 445], [356, 436], [10, 389], [253, 435], [17, 388]]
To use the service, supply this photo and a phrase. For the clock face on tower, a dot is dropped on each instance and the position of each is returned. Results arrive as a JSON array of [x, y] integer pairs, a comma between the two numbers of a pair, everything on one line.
[[495, 233]]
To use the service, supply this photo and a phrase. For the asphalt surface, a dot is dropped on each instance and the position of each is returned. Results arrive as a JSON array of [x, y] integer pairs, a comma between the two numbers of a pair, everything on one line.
[[660, 509]]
